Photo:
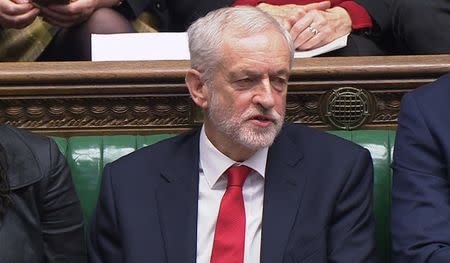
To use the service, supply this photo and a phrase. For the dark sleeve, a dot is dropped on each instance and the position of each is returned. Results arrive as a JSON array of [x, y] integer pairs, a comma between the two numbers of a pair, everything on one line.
[[131, 9], [352, 232], [420, 216], [358, 14], [104, 241], [61, 215], [379, 12]]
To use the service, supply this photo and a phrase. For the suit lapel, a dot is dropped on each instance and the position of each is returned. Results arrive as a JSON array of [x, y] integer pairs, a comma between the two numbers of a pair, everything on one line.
[[177, 199], [282, 196]]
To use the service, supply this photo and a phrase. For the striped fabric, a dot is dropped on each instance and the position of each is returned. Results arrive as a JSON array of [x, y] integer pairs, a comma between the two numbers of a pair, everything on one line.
[[25, 44]]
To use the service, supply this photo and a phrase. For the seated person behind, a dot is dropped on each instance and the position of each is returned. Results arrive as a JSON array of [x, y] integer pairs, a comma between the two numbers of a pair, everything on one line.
[[421, 27], [312, 23], [55, 30], [40, 214], [420, 216], [411, 27], [169, 202]]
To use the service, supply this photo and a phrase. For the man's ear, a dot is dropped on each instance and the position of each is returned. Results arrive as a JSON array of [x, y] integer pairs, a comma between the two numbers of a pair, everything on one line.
[[197, 88]]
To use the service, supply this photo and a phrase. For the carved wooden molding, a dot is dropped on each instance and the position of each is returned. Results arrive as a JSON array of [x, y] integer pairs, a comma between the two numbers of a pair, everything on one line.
[[93, 112], [66, 98]]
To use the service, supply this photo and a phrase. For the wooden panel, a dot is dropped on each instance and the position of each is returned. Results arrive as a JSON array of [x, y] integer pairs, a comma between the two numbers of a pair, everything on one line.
[[67, 98]]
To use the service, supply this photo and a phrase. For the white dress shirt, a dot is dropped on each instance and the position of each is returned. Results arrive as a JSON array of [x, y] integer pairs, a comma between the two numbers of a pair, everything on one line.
[[212, 186]]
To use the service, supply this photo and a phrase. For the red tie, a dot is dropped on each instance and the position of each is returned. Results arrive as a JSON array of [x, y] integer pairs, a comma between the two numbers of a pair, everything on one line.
[[229, 238]]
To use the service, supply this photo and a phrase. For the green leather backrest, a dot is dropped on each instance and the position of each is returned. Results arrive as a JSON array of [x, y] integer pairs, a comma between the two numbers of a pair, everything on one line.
[[87, 156]]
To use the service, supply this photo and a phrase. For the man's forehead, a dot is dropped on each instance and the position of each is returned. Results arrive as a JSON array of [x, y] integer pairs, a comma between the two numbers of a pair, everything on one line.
[[232, 36], [251, 72], [269, 40], [258, 49]]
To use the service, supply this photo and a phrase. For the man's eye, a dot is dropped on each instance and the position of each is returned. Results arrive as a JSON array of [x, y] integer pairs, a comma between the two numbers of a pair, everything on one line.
[[279, 80], [279, 83], [246, 82]]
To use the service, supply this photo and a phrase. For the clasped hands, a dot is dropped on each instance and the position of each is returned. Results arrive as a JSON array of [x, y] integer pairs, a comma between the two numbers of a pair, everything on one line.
[[21, 13], [313, 25]]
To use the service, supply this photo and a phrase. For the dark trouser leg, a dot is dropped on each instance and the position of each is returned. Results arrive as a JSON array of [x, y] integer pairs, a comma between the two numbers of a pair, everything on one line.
[[74, 43], [421, 26], [357, 45]]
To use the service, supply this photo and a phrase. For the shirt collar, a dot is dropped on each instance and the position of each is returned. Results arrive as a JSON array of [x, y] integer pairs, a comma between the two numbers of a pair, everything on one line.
[[214, 163]]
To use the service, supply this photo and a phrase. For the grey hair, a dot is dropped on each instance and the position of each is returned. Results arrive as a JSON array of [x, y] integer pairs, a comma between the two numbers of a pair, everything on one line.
[[206, 35]]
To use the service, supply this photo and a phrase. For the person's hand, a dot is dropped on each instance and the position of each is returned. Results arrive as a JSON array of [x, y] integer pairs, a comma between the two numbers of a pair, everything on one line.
[[317, 28], [17, 13], [288, 15], [67, 15]]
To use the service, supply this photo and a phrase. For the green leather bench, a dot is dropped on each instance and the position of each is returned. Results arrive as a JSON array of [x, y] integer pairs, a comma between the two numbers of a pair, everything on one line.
[[87, 156]]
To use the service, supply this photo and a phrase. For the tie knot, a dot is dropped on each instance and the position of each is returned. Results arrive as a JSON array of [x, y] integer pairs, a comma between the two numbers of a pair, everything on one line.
[[237, 175]]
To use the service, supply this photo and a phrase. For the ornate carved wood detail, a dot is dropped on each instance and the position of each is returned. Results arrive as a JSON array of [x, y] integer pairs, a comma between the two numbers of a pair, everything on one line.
[[388, 106], [160, 112], [94, 112], [304, 108]]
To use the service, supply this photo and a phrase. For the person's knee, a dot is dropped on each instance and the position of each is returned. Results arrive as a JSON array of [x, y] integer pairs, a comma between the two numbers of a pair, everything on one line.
[[108, 21], [410, 5], [415, 12], [411, 18], [418, 25]]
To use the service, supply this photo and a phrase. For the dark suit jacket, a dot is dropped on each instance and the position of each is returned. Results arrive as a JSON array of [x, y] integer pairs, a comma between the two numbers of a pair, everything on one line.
[[421, 184], [317, 202]]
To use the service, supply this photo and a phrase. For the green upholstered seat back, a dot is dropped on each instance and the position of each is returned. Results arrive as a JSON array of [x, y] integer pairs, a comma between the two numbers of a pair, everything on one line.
[[87, 156]]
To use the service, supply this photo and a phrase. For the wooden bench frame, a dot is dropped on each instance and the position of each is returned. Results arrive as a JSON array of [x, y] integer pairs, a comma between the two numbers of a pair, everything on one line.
[[77, 98]]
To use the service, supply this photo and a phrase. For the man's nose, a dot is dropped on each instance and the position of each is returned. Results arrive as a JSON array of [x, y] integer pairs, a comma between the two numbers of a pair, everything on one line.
[[264, 95]]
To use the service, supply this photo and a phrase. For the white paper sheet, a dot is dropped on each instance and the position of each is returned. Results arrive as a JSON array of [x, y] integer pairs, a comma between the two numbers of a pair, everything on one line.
[[333, 45], [140, 46], [165, 46]]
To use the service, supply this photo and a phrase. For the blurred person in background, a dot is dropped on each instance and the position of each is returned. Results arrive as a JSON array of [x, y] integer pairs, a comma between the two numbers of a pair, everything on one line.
[[40, 215], [52, 30]]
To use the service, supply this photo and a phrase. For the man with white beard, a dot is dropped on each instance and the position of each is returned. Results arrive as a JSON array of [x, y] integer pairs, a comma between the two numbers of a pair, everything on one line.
[[244, 187]]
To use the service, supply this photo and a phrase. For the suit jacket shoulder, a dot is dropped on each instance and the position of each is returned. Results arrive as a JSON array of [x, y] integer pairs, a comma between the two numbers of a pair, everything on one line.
[[436, 94], [157, 158], [429, 103], [149, 191]]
